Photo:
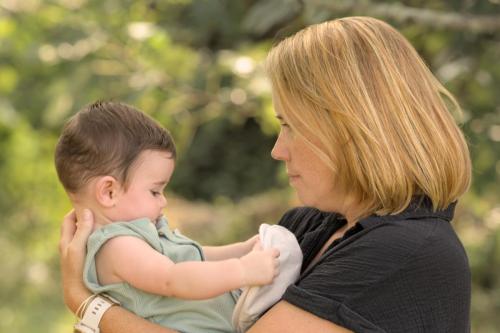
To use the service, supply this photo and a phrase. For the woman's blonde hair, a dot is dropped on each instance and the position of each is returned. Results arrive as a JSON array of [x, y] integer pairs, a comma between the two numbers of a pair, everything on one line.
[[362, 98]]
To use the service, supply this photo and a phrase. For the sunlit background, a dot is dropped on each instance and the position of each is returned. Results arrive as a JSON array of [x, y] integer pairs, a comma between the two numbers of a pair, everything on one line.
[[196, 66]]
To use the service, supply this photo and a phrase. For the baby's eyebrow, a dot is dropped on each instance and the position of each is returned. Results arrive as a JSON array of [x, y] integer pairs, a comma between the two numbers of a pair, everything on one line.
[[161, 182]]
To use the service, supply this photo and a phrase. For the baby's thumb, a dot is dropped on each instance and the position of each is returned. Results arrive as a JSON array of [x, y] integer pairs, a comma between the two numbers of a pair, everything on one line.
[[257, 246]]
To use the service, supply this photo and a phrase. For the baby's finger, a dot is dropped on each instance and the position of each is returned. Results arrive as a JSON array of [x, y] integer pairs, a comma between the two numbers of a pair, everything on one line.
[[257, 246]]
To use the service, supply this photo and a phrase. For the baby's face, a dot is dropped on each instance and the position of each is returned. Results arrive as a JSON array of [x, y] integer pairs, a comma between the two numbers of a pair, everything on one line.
[[144, 196]]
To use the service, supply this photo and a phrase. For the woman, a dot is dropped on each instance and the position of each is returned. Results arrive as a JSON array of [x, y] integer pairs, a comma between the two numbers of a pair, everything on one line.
[[373, 152]]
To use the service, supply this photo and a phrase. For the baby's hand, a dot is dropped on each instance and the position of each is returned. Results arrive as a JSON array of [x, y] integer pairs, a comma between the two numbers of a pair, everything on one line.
[[260, 266], [251, 242]]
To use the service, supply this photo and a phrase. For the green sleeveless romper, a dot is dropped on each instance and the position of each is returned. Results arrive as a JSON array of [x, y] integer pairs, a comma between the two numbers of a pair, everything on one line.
[[187, 316]]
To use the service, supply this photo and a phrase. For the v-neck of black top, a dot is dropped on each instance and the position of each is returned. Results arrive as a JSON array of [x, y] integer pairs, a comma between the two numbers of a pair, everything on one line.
[[314, 240]]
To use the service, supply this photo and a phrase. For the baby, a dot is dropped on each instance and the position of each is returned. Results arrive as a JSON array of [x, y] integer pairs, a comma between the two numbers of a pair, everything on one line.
[[117, 161]]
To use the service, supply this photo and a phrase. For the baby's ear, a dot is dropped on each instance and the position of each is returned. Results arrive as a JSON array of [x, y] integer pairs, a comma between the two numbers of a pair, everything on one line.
[[107, 189]]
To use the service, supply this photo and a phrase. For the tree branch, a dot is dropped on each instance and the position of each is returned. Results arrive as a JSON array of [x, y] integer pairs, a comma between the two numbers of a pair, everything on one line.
[[403, 14]]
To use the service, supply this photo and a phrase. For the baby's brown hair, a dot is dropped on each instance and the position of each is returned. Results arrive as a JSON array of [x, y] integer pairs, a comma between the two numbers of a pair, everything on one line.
[[106, 138]]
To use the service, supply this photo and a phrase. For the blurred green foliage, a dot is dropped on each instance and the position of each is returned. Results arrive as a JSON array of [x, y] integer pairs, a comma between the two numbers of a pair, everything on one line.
[[196, 66]]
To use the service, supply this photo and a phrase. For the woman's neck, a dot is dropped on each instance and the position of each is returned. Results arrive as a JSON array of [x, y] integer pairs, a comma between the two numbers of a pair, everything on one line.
[[351, 218], [351, 210]]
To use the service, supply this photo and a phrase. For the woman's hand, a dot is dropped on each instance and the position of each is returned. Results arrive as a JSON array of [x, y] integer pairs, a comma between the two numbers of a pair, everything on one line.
[[72, 249]]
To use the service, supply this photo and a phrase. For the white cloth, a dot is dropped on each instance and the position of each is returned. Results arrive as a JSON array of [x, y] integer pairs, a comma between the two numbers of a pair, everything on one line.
[[255, 300]]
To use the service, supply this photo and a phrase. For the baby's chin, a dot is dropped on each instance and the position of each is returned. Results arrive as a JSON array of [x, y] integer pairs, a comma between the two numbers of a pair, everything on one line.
[[158, 219]]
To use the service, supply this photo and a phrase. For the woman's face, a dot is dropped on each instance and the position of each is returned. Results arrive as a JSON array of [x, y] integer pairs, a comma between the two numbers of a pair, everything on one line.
[[311, 178]]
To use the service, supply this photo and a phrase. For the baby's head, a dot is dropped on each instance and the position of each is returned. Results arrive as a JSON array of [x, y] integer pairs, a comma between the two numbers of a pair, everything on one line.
[[115, 160]]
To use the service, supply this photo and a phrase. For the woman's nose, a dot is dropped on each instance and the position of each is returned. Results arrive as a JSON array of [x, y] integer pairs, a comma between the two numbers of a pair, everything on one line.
[[280, 151]]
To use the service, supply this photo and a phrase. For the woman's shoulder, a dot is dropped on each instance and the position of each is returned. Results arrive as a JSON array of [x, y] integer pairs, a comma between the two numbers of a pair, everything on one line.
[[388, 263], [416, 231]]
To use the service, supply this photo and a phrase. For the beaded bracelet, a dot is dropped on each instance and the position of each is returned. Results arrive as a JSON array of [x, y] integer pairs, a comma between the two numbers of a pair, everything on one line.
[[83, 306]]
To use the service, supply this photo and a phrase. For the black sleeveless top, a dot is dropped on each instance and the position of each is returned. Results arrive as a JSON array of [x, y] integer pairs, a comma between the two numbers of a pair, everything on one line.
[[398, 273]]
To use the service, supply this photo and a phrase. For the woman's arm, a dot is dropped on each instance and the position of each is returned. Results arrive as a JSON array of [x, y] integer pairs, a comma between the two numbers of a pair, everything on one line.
[[72, 247], [117, 319], [285, 317], [236, 250]]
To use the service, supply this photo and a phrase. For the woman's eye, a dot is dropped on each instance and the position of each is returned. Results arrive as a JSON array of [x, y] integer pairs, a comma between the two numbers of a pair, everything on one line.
[[285, 127]]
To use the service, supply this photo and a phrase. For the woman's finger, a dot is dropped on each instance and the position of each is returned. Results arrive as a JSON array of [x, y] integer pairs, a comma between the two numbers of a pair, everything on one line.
[[83, 229], [68, 229], [74, 235]]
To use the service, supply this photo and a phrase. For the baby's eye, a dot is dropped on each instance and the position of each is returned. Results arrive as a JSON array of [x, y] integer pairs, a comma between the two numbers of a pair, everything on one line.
[[155, 193]]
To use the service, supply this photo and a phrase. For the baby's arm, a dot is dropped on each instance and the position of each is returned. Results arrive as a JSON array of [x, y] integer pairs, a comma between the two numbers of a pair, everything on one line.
[[130, 259], [235, 250]]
